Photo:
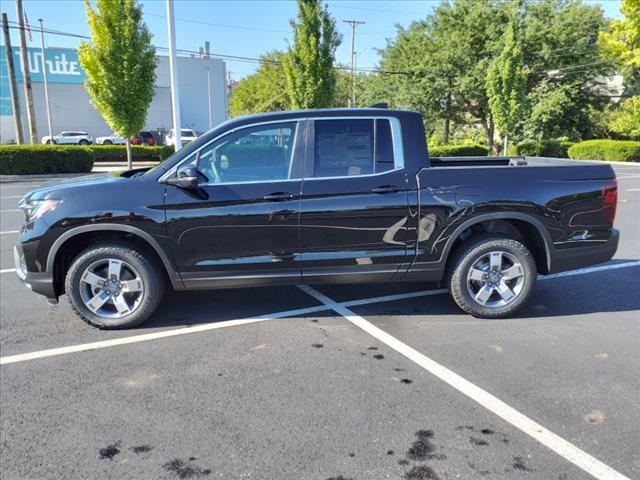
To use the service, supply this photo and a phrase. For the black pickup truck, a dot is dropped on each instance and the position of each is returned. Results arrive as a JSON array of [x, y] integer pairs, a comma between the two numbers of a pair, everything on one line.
[[324, 196]]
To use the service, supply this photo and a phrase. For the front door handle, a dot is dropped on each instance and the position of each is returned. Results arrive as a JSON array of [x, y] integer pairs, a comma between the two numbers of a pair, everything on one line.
[[278, 197], [386, 189]]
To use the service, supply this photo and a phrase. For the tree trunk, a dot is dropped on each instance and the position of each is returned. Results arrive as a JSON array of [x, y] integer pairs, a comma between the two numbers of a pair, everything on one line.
[[489, 129], [129, 154], [447, 124]]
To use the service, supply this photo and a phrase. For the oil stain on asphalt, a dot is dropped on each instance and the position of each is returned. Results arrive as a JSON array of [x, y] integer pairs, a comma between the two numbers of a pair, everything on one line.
[[141, 449], [109, 451], [183, 470]]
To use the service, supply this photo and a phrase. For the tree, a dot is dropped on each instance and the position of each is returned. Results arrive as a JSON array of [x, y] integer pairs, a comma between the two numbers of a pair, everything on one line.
[[625, 120], [308, 65], [622, 42], [505, 82], [262, 91], [120, 65]]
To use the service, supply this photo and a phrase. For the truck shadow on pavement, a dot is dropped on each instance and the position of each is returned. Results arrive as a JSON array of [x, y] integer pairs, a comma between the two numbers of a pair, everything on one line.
[[597, 292]]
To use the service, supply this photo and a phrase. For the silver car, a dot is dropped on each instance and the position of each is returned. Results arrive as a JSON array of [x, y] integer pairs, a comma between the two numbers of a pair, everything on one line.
[[69, 138]]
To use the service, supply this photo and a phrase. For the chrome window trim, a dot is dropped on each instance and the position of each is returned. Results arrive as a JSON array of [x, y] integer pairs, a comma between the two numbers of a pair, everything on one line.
[[396, 136]]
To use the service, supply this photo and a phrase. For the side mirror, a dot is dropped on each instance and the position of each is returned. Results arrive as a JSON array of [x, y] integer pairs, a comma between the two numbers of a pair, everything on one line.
[[186, 177]]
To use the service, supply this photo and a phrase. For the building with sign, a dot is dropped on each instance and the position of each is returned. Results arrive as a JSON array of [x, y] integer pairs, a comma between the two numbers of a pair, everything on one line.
[[201, 80]]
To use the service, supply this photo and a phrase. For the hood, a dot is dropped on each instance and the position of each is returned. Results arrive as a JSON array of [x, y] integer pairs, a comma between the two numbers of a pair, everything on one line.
[[53, 190]]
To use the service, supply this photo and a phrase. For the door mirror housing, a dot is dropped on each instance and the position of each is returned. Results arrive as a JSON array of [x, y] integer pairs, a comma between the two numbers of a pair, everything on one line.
[[186, 177]]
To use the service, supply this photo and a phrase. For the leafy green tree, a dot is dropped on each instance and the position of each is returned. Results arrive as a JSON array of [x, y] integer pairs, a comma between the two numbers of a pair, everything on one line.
[[308, 65], [565, 73], [262, 91], [625, 120], [120, 65], [505, 82], [622, 42]]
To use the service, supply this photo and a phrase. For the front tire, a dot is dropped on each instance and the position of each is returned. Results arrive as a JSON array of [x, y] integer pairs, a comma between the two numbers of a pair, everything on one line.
[[84, 142], [113, 285], [107, 142], [492, 276]]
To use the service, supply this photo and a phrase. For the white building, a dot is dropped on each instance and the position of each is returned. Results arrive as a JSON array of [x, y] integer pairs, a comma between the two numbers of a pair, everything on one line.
[[70, 104]]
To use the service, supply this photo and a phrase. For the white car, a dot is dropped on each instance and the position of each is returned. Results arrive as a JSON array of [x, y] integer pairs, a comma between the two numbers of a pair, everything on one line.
[[112, 139], [186, 134], [69, 138]]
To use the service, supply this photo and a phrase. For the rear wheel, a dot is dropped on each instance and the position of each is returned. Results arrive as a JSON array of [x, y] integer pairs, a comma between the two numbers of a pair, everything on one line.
[[112, 285], [84, 142], [492, 277], [107, 142]]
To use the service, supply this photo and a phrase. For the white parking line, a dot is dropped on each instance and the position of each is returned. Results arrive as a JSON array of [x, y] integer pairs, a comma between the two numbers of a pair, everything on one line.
[[155, 336], [11, 210], [23, 357], [3, 187], [8, 270], [6, 232], [633, 189], [570, 452], [13, 196]]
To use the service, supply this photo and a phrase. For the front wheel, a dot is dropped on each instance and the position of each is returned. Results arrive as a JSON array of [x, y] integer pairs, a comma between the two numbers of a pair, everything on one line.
[[112, 285], [492, 277], [84, 142], [107, 142]]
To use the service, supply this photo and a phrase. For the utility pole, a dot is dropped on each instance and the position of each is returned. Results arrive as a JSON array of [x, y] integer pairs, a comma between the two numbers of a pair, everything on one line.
[[173, 66], [26, 75], [46, 83], [209, 97], [353, 23], [13, 88]]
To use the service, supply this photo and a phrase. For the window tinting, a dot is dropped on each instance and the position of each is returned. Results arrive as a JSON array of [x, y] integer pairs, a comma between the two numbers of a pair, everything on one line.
[[261, 153], [343, 148], [349, 147], [384, 146]]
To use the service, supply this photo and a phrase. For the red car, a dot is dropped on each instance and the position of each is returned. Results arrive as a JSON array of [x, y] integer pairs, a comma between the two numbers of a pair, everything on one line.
[[143, 138]]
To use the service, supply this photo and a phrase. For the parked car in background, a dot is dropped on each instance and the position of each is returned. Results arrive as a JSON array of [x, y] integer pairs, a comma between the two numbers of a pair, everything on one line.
[[318, 196], [112, 139], [69, 138], [186, 135], [143, 138]]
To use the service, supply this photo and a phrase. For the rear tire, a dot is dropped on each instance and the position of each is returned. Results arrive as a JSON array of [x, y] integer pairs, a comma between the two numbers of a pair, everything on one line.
[[107, 142], [492, 276], [83, 142], [112, 285]]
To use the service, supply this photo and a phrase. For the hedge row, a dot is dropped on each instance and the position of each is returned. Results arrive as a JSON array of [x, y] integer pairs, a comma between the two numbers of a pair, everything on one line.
[[543, 148], [44, 159], [611, 150], [118, 153], [458, 151]]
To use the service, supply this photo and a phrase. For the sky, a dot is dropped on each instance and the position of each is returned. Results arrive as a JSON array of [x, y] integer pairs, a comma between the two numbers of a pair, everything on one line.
[[246, 28]]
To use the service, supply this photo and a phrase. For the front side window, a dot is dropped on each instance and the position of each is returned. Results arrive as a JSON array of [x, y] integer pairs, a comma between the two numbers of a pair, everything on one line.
[[262, 153], [351, 147]]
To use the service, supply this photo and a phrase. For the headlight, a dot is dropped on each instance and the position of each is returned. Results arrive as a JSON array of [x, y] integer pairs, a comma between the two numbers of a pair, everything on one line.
[[34, 209]]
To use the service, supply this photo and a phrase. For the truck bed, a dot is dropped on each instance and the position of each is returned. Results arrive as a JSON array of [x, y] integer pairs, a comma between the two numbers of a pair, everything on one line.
[[509, 161]]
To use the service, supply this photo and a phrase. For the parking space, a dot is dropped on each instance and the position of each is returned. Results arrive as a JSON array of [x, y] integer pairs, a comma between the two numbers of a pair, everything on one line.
[[392, 381]]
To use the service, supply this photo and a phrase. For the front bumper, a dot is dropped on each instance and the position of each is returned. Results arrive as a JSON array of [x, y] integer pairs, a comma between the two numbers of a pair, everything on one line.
[[579, 257], [39, 282]]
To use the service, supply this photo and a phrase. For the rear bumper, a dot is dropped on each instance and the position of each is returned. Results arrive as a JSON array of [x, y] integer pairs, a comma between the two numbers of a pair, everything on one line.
[[572, 258], [38, 282]]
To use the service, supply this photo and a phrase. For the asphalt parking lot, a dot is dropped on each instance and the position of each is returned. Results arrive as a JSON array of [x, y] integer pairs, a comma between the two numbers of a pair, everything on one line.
[[329, 382]]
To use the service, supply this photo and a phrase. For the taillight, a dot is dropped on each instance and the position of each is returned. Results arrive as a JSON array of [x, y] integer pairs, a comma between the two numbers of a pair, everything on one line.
[[610, 199]]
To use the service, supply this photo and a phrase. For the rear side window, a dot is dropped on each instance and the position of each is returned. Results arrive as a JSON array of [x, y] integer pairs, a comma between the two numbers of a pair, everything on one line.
[[351, 147]]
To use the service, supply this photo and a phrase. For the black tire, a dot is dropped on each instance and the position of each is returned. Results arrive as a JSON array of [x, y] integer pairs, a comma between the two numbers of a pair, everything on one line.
[[149, 273], [475, 250], [48, 142], [83, 142], [107, 142]]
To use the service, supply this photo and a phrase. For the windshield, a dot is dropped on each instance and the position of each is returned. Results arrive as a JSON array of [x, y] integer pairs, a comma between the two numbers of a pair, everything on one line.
[[187, 133]]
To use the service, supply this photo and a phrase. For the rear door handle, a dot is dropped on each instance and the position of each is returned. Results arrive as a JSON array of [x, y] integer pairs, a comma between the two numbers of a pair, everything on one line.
[[278, 197], [386, 189]]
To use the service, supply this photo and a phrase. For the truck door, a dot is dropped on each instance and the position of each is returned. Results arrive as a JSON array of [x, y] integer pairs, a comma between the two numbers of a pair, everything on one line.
[[353, 206], [240, 226]]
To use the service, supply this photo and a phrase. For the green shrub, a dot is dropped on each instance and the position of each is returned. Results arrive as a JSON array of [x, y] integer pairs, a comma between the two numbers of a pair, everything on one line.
[[44, 159], [458, 151], [611, 150], [118, 153], [543, 148]]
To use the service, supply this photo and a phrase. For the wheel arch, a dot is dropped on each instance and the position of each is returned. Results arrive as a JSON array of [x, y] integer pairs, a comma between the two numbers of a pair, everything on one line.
[[518, 225], [108, 229]]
